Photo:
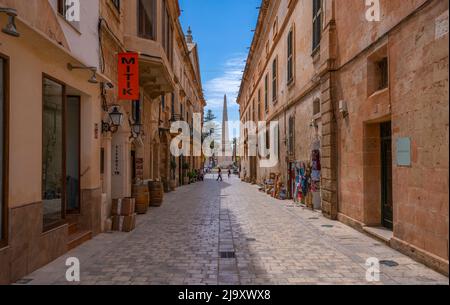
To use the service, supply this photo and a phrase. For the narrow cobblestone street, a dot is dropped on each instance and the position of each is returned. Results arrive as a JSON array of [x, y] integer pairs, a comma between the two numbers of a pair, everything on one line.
[[274, 243]]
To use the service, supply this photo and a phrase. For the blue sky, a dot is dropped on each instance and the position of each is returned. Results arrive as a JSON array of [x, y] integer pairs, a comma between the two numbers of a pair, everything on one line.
[[223, 31]]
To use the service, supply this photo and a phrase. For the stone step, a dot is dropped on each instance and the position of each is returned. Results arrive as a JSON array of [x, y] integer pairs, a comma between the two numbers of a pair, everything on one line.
[[381, 234], [73, 228], [78, 238]]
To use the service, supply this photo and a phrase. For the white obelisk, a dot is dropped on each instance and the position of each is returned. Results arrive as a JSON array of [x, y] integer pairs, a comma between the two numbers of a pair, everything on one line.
[[226, 159]]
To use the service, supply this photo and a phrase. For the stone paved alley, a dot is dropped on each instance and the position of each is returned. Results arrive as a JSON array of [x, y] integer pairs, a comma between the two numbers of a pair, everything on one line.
[[274, 243]]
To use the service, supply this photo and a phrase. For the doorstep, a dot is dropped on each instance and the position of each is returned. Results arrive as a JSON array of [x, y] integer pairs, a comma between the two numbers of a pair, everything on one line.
[[380, 233], [78, 238]]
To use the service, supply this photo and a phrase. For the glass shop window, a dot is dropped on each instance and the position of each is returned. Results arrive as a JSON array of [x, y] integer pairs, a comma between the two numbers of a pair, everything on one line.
[[52, 153]]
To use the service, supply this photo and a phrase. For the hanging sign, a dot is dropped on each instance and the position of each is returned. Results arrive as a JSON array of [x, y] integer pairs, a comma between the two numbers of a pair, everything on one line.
[[128, 76], [116, 160]]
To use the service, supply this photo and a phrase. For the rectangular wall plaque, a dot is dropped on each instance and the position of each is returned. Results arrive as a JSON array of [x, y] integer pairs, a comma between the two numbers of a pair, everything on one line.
[[404, 151]]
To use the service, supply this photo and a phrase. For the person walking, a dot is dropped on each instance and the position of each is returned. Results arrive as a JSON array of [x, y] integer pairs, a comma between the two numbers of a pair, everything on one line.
[[229, 173], [219, 177]]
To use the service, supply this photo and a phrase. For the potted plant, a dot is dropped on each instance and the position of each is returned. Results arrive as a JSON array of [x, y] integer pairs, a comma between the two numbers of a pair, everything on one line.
[[173, 180], [193, 177]]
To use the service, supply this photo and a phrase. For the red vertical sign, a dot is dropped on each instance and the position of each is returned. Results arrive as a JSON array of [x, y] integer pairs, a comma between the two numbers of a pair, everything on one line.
[[128, 76]]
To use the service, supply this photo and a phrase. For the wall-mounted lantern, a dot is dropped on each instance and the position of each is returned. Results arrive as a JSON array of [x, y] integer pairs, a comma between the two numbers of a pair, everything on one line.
[[116, 118], [10, 28], [93, 79], [136, 129]]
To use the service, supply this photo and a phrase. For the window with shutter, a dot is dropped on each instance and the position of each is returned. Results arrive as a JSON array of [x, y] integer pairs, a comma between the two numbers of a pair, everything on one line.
[[147, 19], [290, 57], [317, 23], [274, 80]]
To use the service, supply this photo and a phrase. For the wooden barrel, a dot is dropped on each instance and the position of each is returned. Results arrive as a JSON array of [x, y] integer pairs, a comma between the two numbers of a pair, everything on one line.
[[142, 198], [156, 190]]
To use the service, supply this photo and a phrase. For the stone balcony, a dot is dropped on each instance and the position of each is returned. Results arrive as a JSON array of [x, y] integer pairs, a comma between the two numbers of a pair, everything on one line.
[[156, 75]]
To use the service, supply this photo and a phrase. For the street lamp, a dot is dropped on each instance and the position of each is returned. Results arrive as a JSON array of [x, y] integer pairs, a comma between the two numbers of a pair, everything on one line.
[[10, 27], [136, 130], [115, 117]]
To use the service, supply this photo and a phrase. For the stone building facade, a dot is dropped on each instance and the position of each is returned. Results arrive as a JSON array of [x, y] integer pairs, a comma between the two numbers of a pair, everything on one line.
[[371, 103], [170, 86], [63, 163], [50, 141]]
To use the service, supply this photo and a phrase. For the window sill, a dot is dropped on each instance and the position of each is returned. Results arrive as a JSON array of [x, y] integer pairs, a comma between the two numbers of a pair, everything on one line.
[[315, 51], [316, 54], [4, 246], [145, 37], [378, 92], [54, 227], [291, 83]]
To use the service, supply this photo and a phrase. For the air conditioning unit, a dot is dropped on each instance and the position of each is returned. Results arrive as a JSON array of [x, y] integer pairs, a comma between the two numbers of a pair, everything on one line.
[[343, 109]]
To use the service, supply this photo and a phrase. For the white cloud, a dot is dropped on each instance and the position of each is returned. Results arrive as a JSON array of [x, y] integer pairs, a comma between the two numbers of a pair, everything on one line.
[[228, 83]]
